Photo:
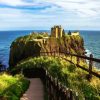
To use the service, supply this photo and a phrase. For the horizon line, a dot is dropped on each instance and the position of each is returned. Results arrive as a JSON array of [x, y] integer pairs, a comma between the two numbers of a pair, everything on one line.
[[50, 29]]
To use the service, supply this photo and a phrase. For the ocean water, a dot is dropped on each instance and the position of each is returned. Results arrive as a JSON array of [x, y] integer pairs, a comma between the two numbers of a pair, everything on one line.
[[91, 42]]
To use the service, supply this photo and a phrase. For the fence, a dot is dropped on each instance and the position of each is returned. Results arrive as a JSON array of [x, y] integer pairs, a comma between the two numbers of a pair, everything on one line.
[[57, 91], [90, 59], [90, 66]]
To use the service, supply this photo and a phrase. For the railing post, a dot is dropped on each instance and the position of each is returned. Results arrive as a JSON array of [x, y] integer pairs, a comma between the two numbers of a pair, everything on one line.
[[22, 71], [63, 94], [46, 79], [50, 96], [71, 57], [0, 97], [51, 87], [59, 97], [57, 93], [76, 96], [53, 92], [71, 95], [51, 53], [59, 51], [66, 93], [77, 60], [54, 54], [90, 66]]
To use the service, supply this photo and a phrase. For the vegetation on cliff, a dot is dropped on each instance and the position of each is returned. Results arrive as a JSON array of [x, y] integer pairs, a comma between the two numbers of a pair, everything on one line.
[[12, 87], [67, 73], [33, 44]]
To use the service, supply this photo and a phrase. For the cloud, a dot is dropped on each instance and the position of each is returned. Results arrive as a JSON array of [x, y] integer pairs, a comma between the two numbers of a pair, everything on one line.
[[12, 2], [23, 13], [83, 8], [23, 3]]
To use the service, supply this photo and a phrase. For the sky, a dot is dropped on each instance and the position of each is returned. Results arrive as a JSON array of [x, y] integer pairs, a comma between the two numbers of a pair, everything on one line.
[[43, 14]]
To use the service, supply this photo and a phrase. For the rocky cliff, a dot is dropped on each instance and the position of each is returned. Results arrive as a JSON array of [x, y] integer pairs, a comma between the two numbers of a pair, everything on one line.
[[33, 44]]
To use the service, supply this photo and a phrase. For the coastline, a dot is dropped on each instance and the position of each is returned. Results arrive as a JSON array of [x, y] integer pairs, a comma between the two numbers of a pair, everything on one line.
[[6, 38]]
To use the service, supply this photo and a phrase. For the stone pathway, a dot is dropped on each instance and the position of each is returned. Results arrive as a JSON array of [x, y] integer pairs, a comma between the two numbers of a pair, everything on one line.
[[35, 91]]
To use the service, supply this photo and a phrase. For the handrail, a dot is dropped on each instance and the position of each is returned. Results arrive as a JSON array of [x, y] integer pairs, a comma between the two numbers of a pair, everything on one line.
[[56, 90], [91, 59], [84, 57], [80, 56]]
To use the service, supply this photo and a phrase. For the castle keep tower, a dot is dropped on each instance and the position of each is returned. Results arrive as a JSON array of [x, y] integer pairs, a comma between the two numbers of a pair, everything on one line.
[[57, 31]]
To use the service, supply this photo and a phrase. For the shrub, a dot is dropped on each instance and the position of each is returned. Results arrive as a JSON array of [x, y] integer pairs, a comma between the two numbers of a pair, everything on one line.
[[12, 87]]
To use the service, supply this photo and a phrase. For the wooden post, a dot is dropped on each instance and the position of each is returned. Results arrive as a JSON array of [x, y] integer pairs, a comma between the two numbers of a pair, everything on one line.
[[51, 80], [71, 57], [22, 71], [54, 54], [50, 97], [67, 93], [59, 51], [54, 89], [71, 95], [63, 93], [77, 60], [90, 66], [1, 97], [50, 48], [76, 96], [57, 93], [46, 80]]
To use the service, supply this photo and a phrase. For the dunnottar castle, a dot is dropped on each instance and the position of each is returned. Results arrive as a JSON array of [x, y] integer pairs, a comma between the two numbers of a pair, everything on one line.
[[58, 31]]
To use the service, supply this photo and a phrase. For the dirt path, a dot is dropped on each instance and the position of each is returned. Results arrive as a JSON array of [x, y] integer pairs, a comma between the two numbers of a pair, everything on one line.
[[35, 91]]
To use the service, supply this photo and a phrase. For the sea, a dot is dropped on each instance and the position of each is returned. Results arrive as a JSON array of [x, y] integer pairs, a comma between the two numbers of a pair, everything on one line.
[[91, 42]]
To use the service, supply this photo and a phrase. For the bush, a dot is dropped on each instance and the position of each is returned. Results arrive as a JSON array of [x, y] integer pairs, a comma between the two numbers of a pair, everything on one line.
[[12, 87]]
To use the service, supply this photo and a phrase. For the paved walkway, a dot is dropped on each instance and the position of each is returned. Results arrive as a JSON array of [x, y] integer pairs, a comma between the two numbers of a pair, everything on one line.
[[35, 91]]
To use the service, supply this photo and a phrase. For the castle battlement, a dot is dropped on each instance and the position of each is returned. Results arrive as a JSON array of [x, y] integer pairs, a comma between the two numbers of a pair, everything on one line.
[[57, 31]]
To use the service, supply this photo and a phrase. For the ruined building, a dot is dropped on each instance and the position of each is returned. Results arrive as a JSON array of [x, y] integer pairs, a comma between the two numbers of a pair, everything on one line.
[[73, 33], [57, 31]]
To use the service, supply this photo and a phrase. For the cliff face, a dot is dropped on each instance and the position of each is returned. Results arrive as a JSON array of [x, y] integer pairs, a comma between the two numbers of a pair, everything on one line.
[[32, 45]]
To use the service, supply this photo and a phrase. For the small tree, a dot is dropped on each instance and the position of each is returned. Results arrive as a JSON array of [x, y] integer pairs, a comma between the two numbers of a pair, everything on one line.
[[69, 33]]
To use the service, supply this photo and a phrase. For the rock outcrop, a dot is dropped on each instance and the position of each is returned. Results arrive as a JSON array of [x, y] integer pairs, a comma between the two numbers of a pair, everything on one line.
[[33, 44]]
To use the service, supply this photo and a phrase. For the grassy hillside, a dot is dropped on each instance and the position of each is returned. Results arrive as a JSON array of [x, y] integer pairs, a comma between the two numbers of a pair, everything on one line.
[[67, 73]]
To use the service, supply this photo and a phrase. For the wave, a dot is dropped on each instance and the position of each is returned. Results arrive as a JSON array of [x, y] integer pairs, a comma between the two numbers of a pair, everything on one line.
[[88, 52], [95, 64]]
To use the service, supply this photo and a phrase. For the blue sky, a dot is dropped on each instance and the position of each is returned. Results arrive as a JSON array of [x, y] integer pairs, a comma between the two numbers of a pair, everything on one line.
[[43, 14]]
